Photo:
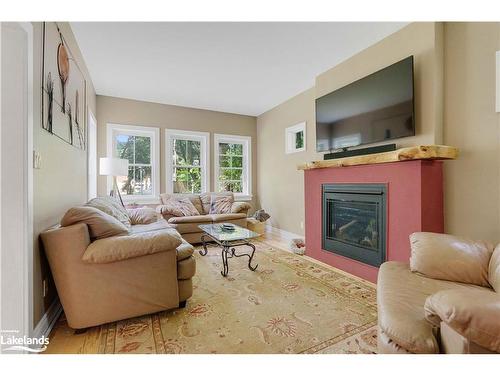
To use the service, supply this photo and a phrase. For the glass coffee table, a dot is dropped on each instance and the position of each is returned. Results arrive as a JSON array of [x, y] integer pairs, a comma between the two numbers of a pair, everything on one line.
[[228, 241]]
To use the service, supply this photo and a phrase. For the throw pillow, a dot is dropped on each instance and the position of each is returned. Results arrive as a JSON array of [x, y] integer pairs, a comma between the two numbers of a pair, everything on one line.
[[179, 207], [220, 204], [100, 224], [111, 206]]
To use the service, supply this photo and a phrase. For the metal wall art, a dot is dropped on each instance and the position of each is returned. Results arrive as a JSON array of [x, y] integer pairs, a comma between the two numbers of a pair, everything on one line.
[[63, 89]]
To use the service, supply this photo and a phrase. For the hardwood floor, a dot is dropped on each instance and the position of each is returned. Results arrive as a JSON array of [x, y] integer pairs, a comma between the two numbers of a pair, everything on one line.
[[64, 340]]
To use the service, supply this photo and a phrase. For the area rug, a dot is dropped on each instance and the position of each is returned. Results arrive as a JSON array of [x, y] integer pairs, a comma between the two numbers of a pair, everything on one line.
[[288, 305]]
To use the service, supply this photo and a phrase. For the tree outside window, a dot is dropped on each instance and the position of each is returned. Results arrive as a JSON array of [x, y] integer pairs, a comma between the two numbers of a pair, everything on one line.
[[231, 167], [186, 171], [137, 150]]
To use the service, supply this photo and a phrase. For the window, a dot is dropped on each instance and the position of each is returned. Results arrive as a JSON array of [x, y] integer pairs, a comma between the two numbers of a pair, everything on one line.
[[295, 138], [140, 146], [233, 164], [187, 161]]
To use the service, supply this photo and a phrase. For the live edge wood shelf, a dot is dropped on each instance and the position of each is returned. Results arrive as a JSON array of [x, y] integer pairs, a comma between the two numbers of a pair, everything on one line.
[[431, 152]]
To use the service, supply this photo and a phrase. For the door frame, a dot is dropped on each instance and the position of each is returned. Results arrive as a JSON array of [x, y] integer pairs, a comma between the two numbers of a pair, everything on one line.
[[24, 276]]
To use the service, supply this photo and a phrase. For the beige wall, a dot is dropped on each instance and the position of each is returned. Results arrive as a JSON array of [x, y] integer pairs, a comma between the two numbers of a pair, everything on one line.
[[62, 180], [163, 116], [472, 185], [281, 186]]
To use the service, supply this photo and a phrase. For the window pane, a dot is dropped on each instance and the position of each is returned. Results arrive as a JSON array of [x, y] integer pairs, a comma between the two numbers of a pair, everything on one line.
[[230, 149], [142, 150], [236, 174], [179, 157], [187, 180], [237, 161], [299, 139], [224, 161], [142, 181], [125, 183], [125, 147], [225, 174], [193, 152], [237, 187], [234, 186]]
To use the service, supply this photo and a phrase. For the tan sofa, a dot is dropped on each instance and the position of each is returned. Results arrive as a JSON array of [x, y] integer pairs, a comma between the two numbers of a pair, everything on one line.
[[188, 226], [445, 301], [146, 270]]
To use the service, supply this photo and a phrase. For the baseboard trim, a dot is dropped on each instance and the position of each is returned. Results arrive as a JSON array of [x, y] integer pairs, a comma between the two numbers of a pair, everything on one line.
[[48, 320]]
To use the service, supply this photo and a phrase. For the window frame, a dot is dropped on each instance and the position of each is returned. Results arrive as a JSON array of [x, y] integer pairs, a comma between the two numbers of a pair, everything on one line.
[[188, 135], [246, 142], [290, 134], [141, 131]]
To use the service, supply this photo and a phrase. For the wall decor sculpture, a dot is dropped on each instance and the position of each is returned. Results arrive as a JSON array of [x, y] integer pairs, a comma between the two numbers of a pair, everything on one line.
[[63, 89]]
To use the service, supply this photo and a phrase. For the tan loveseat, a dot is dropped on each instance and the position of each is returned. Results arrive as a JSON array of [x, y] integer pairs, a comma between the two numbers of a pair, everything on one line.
[[102, 278], [188, 226], [446, 300]]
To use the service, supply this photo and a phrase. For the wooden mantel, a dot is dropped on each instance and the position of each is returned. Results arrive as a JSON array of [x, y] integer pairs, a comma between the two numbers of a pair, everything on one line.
[[430, 152]]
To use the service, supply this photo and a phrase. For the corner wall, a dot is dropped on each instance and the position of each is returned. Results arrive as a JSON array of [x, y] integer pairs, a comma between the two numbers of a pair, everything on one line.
[[62, 180], [281, 185]]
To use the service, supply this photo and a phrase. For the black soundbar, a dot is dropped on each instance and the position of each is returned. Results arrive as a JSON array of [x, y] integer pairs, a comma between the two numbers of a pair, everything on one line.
[[360, 151]]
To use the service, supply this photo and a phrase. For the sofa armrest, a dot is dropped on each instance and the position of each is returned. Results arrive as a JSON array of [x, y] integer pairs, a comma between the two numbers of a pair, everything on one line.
[[446, 257], [118, 248], [475, 314], [240, 207]]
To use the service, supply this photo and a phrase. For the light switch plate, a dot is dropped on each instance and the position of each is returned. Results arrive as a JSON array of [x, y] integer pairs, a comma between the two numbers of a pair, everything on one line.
[[37, 160]]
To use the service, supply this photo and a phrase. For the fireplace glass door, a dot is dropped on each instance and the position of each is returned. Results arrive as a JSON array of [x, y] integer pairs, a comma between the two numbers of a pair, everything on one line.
[[354, 221]]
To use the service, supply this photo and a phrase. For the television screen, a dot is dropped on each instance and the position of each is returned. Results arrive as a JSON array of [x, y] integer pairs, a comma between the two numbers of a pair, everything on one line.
[[375, 108]]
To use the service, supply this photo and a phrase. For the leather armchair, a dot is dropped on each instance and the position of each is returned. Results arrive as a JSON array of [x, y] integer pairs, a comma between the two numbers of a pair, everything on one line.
[[446, 300]]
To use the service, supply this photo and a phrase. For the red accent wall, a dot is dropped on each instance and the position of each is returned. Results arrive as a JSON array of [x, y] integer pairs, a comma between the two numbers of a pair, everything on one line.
[[414, 204]]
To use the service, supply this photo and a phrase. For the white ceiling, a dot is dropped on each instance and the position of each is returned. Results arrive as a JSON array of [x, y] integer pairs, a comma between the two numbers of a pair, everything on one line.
[[245, 68]]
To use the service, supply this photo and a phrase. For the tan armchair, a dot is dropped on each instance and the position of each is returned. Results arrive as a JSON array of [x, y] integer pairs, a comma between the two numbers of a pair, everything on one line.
[[118, 277], [446, 300]]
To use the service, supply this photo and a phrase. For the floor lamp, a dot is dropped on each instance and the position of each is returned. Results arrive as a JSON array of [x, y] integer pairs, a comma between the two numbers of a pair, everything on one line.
[[114, 167]]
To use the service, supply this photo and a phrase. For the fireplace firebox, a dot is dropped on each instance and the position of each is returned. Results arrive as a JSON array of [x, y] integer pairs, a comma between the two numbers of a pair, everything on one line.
[[354, 221]]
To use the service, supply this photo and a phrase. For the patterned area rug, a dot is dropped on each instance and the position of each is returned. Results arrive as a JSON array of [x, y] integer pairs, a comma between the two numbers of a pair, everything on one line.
[[288, 305]]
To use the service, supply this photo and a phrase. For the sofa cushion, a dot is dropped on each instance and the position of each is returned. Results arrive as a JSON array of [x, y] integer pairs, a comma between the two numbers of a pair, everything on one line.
[[189, 224], [142, 215], [401, 296], [155, 226], [447, 257], [219, 218], [112, 207], [186, 268], [494, 270], [100, 224], [178, 207], [194, 198], [184, 250], [114, 249], [220, 204], [206, 199], [473, 314]]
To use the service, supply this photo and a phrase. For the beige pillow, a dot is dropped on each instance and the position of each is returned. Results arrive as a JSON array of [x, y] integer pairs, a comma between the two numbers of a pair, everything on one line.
[[447, 257], [206, 199], [194, 198], [112, 207], [142, 215], [179, 207], [100, 224], [221, 204], [114, 249]]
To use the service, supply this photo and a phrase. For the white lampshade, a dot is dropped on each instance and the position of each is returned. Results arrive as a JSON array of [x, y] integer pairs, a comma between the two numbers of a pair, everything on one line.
[[113, 167]]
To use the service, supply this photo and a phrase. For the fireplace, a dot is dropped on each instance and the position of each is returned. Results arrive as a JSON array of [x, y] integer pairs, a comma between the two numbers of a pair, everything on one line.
[[354, 221]]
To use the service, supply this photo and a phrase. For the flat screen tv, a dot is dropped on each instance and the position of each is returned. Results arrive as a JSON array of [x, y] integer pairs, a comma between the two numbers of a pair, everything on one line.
[[375, 108]]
